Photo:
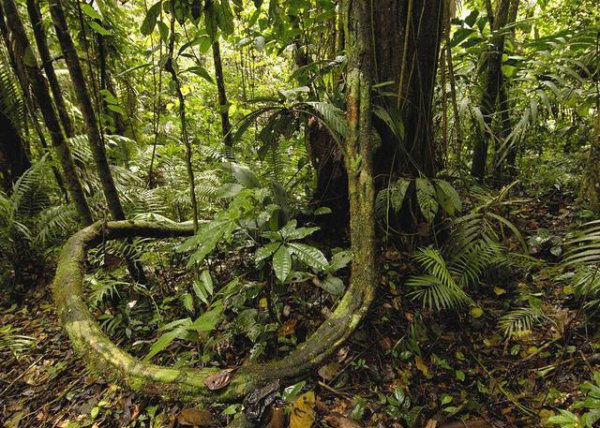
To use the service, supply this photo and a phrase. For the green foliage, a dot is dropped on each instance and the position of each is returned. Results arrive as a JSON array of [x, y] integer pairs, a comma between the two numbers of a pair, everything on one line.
[[16, 343], [590, 408]]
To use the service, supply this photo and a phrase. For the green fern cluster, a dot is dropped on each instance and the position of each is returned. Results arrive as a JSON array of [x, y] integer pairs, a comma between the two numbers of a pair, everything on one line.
[[583, 257]]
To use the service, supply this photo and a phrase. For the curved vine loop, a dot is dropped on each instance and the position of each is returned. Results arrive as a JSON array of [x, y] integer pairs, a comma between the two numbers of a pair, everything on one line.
[[104, 356], [90, 340]]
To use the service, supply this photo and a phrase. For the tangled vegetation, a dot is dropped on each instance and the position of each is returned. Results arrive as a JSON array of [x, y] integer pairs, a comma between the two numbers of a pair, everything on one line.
[[270, 213]]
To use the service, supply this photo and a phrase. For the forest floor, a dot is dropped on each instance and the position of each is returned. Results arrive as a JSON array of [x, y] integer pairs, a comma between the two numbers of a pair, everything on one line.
[[462, 373]]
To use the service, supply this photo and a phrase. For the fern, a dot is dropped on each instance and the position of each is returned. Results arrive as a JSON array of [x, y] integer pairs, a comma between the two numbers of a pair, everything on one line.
[[11, 101], [521, 319], [436, 289], [583, 246], [103, 288], [583, 255], [14, 342]]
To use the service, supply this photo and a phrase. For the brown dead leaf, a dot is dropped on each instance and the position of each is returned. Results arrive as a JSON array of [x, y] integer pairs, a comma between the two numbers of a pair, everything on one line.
[[195, 417], [431, 423], [328, 371], [341, 422], [219, 380], [288, 328], [277, 419]]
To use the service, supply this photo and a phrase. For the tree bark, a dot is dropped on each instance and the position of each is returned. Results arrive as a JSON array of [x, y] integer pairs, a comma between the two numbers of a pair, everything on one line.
[[30, 109], [35, 17], [407, 42], [489, 97], [14, 160], [25, 55], [87, 110], [223, 103]]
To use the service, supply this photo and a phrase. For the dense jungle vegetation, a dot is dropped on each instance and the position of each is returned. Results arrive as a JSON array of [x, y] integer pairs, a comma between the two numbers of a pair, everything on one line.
[[273, 213]]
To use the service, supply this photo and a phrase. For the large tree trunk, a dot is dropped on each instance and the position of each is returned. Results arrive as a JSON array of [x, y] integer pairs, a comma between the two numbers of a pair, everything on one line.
[[407, 39], [87, 110], [35, 17], [491, 90], [13, 157], [407, 35], [28, 62]]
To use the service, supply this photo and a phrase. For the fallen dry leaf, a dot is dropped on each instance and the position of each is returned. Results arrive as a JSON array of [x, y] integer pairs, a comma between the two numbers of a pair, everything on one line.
[[195, 417], [328, 371], [422, 366], [303, 413], [341, 422], [277, 419], [219, 380]]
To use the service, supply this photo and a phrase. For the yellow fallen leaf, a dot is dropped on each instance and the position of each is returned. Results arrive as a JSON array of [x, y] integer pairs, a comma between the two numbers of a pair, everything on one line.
[[421, 366], [476, 312], [499, 291], [303, 413]]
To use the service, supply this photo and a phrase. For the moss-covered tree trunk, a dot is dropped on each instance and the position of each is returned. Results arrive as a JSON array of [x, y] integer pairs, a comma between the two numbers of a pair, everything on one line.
[[27, 61]]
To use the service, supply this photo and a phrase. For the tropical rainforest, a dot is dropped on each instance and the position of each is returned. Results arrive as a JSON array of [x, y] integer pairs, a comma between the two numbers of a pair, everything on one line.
[[300, 213]]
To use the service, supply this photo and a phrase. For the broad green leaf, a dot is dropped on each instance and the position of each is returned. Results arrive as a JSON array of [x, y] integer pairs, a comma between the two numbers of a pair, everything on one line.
[[225, 17], [448, 197], [243, 175], [266, 251], [340, 260], [310, 256], [188, 302], [397, 193], [150, 20], [207, 281], [116, 109], [99, 29], [201, 72], [282, 263], [426, 198], [333, 285], [322, 211], [178, 330], [90, 11], [208, 320], [302, 232]]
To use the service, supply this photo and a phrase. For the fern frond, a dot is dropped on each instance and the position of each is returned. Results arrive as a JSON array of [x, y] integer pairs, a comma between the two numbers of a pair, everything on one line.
[[436, 289], [520, 320], [583, 248], [54, 222]]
